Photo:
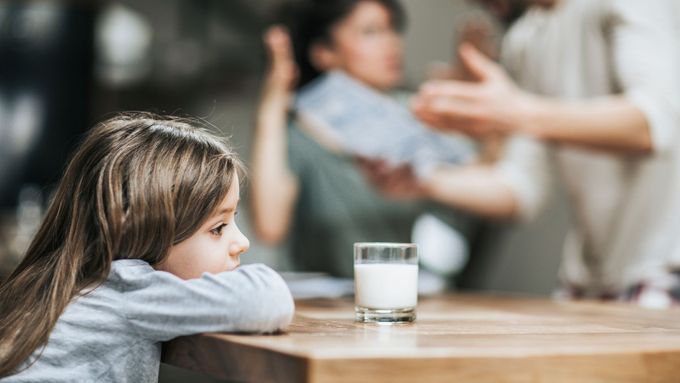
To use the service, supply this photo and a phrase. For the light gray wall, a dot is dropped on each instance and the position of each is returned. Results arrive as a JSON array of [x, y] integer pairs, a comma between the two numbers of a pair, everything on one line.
[[431, 33]]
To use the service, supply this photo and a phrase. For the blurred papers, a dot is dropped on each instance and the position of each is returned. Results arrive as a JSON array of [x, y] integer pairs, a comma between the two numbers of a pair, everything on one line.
[[363, 122]]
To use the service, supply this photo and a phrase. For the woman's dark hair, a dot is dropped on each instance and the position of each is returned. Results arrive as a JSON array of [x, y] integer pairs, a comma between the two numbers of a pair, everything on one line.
[[311, 21]]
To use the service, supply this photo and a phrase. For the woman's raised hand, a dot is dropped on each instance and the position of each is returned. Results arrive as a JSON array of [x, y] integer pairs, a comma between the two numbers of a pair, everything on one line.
[[283, 72]]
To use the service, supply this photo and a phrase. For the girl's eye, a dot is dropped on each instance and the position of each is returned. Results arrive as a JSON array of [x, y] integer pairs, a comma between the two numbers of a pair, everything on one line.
[[218, 230]]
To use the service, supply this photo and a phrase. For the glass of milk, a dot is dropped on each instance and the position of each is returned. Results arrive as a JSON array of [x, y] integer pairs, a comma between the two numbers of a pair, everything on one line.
[[385, 282]]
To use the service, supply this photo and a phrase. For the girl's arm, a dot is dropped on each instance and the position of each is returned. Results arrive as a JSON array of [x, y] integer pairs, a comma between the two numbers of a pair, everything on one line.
[[274, 188], [161, 306]]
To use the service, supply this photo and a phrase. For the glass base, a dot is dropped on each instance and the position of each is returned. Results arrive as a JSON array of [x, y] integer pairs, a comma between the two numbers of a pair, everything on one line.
[[384, 316]]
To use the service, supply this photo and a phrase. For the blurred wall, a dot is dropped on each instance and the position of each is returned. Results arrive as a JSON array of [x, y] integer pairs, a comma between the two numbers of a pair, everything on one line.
[[206, 61], [204, 58]]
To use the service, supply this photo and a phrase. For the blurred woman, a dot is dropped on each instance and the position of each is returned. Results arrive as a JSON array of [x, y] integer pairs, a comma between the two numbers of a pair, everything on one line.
[[301, 187]]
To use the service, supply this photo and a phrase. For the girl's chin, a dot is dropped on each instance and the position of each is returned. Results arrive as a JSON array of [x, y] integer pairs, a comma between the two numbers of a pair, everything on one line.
[[233, 265]]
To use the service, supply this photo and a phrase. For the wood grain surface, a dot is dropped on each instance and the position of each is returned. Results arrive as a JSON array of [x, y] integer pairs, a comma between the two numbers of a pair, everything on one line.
[[457, 338]]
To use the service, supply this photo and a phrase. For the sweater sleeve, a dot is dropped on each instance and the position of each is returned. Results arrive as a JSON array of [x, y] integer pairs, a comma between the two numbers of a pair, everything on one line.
[[161, 306]]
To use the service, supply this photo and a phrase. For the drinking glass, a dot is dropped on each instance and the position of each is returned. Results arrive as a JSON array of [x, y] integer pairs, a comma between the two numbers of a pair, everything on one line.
[[385, 282]]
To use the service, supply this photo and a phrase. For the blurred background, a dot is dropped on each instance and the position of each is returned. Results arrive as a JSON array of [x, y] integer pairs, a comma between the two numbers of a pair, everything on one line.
[[66, 65]]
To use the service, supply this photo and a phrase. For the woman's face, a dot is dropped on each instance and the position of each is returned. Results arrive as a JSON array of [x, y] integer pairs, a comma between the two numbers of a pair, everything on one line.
[[366, 46]]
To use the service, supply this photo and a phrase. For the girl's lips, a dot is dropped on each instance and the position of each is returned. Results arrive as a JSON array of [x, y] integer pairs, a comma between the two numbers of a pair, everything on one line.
[[233, 263]]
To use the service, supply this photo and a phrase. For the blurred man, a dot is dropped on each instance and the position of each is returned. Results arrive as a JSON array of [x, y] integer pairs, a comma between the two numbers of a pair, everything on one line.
[[593, 87]]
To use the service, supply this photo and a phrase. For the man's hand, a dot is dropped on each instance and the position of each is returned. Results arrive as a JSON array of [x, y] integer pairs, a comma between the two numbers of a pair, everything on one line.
[[492, 105]]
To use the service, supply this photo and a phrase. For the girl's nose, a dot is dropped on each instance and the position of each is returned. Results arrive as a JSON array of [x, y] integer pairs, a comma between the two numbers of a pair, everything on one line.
[[239, 245]]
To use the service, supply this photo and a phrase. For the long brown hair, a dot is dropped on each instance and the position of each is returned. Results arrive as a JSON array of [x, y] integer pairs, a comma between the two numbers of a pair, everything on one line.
[[137, 185]]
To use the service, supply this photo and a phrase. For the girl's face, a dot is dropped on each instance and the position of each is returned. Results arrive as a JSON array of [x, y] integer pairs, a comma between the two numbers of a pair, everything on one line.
[[214, 248], [366, 46]]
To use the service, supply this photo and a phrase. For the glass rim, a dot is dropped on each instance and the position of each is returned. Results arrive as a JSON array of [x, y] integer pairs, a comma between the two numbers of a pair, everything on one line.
[[386, 244]]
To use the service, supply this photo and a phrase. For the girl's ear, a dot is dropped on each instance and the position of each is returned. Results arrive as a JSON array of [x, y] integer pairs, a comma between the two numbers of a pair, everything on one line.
[[323, 57]]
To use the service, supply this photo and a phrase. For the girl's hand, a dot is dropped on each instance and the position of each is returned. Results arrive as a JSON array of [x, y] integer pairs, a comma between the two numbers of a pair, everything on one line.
[[492, 105], [283, 72]]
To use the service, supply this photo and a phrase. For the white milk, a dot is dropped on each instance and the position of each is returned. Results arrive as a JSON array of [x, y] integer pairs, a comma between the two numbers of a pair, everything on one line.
[[386, 286]]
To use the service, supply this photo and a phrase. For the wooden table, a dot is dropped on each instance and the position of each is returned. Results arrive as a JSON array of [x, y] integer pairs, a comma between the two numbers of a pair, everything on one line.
[[455, 339]]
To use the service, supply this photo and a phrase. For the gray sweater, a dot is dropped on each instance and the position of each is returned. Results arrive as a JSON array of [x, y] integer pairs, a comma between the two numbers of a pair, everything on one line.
[[114, 332]]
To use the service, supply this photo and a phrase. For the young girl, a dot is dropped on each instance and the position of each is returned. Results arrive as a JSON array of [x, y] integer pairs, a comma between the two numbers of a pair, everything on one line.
[[137, 248]]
